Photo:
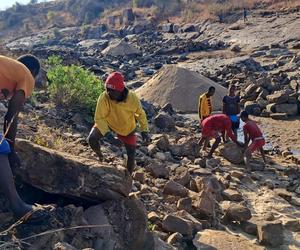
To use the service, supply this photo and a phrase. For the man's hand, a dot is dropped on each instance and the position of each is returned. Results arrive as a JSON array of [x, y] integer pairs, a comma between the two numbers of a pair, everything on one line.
[[146, 137], [112, 140]]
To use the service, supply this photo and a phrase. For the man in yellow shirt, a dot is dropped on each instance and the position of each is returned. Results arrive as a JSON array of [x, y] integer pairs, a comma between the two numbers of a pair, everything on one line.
[[205, 104], [16, 84], [118, 110]]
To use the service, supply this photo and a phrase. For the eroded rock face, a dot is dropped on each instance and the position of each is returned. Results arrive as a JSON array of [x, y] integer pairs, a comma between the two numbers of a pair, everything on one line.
[[67, 175]]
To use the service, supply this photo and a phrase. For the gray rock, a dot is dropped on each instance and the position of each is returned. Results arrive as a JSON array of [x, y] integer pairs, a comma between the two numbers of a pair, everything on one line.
[[164, 121], [235, 212], [252, 108], [232, 195], [184, 204], [72, 176], [292, 225], [188, 28], [232, 152], [153, 241], [132, 210], [271, 233], [289, 109], [278, 97], [175, 238], [176, 224], [249, 227], [174, 188], [279, 116], [167, 28], [204, 204], [158, 170]]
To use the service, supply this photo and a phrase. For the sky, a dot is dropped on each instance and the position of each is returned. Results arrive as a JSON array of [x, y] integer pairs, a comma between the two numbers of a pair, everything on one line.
[[4, 4]]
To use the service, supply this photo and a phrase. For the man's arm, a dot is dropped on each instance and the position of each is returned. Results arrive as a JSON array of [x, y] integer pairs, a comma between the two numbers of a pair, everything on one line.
[[246, 138], [141, 117], [199, 108], [230, 133], [101, 113], [10, 119], [202, 108]]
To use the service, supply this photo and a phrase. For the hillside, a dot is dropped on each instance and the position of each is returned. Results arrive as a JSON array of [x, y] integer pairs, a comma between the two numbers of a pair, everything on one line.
[[170, 52], [24, 19]]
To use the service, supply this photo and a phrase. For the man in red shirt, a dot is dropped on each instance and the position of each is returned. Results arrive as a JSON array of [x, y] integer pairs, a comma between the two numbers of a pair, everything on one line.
[[253, 133], [213, 127]]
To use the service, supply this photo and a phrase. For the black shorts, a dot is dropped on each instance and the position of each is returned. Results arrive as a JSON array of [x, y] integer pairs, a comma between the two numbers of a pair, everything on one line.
[[235, 125]]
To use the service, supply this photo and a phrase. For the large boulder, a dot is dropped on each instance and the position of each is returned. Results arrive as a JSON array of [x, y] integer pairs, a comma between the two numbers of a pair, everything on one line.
[[270, 233], [235, 212], [164, 121], [72, 176], [278, 97], [232, 152], [121, 224], [289, 109], [173, 223], [121, 48]]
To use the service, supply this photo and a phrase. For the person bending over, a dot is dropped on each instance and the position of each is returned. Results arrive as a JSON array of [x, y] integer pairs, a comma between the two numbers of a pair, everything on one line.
[[216, 126], [252, 132]]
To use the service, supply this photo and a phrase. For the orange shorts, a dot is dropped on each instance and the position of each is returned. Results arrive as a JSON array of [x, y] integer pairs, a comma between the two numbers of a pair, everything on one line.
[[256, 145], [129, 139]]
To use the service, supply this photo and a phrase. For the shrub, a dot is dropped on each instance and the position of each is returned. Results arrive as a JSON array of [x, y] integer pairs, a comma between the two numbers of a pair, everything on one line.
[[73, 87]]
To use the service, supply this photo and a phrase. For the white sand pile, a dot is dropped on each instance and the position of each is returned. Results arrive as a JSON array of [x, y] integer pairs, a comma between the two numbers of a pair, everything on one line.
[[180, 87]]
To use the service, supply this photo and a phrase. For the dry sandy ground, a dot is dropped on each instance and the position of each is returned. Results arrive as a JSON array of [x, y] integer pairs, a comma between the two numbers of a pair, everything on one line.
[[285, 134]]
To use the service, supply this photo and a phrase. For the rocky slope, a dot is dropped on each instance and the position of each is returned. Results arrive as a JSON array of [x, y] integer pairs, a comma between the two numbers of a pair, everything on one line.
[[176, 199]]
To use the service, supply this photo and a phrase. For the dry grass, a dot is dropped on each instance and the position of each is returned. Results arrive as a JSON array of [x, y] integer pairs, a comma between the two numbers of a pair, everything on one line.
[[210, 10]]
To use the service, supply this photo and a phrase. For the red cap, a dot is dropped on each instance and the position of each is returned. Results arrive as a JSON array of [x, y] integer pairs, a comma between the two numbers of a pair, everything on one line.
[[115, 81]]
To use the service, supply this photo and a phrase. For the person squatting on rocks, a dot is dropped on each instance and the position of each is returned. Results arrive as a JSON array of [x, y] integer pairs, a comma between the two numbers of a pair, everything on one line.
[[231, 108], [252, 132], [17, 80], [216, 126], [118, 109], [205, 104]]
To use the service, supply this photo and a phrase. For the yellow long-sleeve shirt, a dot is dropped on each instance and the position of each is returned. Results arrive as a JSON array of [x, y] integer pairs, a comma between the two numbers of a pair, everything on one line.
[[120, 117], [205, 106]]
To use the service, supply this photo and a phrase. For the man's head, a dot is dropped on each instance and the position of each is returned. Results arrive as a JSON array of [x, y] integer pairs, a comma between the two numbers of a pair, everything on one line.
[[31, 62], [211, 91], [244, 116], [115, 86], [232, 89]]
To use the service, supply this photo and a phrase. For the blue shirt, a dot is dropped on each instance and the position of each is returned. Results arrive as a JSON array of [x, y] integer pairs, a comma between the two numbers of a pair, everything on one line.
[[4, 146]]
